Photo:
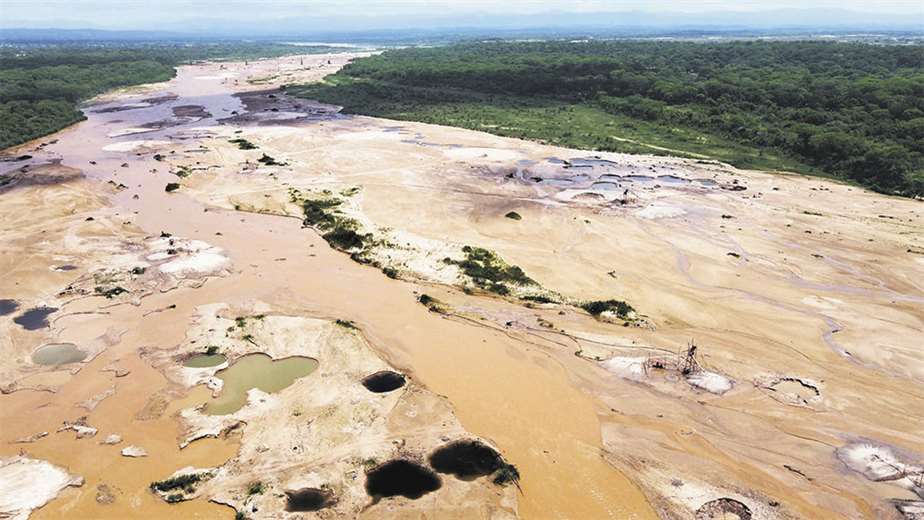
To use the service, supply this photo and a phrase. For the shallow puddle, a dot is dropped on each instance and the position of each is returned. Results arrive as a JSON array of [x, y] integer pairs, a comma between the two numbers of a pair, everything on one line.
[[34, 319], [256, 371], [205, 361], [58, 354]]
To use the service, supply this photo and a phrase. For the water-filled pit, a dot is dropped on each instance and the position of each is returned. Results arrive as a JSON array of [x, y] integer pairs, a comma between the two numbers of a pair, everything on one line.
[[8, 307], [256, 371], [309, 499], [55, 354], [34, 319], [205, 361], [401, 478], [383, 381], [466, 459]]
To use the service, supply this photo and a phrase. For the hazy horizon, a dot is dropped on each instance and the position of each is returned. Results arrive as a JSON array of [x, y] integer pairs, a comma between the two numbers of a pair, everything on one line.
[[353, 15]]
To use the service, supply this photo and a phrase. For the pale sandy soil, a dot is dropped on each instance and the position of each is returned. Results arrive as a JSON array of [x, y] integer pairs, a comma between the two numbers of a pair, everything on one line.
[[804, 296]]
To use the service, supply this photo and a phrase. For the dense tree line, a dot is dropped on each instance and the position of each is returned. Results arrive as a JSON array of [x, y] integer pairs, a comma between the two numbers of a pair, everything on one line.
[[41, 86], [852, 110]]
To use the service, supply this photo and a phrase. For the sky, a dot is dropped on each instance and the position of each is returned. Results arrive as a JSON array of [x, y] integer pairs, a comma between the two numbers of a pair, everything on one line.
[[173, 14]]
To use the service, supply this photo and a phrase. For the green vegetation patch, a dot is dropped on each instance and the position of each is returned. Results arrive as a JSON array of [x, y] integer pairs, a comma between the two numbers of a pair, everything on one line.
[[243, 144], [489, 272], [171, 186], [110, 292], [269, 161], [339, 231], [184, 482], [513, 215], [618, 307]]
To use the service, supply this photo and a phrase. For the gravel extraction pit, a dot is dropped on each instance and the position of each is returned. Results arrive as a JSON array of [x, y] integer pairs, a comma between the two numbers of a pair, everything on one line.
[[401, 478], [466, 459], [204, 361], [384, 381], [256, 371], [308, 499], [8, 307], [723, 509], [55, 354], [34, 319]]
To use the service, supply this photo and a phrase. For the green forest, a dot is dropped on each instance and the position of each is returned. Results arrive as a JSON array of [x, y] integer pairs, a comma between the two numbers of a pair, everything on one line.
[[41, 86], [847, 110]]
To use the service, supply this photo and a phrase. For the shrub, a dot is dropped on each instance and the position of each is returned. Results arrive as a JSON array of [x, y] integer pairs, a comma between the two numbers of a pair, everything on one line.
[[513, 215], [171, 186], [177, 482], [243, 144], [617, 307]]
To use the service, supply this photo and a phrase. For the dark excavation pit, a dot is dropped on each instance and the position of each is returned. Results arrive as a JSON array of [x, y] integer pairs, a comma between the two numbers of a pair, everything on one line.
[[384, 381], [401, 478], [466, 459], [722, 509], [8, 307], [309, 499], [34, 319]]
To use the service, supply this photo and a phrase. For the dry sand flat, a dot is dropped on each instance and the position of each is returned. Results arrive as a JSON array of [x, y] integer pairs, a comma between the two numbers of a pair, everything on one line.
[[804, 297]]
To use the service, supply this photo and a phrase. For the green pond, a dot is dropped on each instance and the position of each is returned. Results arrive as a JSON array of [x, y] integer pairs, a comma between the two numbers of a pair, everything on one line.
[[58, 354], [256, 371], [205, 361]]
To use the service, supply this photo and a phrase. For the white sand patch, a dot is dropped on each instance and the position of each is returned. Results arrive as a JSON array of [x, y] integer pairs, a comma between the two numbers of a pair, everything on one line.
[[490, 154], [112, 438], [27, 484], [189, 257], [134, 451], [128, 146], [130, 131], [822, 302], [711, 382], [657, 211], [876, 462], [627, 367], [278, 116], [587, 195], [197, 263], [223, 75]]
